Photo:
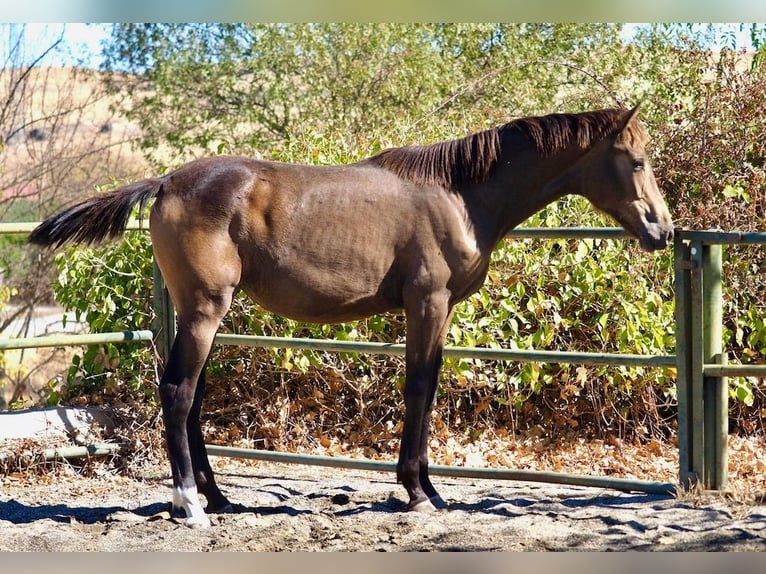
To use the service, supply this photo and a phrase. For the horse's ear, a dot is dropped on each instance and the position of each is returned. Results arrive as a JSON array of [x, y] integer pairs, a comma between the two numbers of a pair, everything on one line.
[[627, 117]]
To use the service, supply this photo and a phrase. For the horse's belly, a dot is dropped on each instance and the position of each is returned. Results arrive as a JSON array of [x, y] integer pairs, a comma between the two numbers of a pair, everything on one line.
[[312, 292], [313, 307]]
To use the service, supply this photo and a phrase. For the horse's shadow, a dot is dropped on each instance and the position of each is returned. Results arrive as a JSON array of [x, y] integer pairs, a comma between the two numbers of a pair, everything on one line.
[[340, 501], [19, 513], [507, 506]]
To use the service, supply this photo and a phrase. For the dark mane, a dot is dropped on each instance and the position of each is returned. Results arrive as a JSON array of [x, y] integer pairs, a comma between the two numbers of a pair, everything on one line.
[[556, 132], [451, 164], [448, 164]]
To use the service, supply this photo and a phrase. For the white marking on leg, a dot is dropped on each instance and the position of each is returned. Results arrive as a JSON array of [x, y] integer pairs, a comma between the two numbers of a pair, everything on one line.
[[189, 500]]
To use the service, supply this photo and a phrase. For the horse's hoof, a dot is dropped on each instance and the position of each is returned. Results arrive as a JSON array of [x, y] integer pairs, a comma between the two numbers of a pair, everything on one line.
[[197, 522], [424, 506]]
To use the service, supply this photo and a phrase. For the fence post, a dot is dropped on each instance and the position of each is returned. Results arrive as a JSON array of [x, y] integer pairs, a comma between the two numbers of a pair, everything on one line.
[[164, 325], [702, 399], [686, 452], [716, 392], [696, 375]]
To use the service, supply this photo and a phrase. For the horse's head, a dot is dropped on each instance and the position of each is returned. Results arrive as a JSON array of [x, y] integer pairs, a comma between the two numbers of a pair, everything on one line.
[[619, 181]]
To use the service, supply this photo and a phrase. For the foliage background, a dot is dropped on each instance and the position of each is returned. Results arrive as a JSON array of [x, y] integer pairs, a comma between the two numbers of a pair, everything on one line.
[[334, 93]]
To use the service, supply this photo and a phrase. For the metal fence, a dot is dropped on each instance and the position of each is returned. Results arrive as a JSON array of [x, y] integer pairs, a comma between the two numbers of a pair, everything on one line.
[[700, 361], [702, 385]]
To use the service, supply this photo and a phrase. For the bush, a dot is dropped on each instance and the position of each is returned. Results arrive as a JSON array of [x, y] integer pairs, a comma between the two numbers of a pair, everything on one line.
[[110, 288]]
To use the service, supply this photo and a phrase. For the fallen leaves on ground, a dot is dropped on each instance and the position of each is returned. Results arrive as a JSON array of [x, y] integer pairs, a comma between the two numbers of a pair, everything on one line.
[[653, 460]]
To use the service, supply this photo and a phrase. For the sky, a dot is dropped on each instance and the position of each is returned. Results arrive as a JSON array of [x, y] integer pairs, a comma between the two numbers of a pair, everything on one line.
[[81, 43]]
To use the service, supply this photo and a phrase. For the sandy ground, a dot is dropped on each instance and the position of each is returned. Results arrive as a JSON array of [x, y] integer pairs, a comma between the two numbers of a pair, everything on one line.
[[281, 507]]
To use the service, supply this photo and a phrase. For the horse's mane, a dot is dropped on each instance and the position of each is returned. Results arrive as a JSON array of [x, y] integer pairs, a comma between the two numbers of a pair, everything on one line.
[[556, 132], [448, 164], [451, 164]]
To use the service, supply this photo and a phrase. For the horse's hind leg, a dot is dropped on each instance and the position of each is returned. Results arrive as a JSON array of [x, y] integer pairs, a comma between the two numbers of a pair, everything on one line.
[[203, 473], [201, 266], [181, 395], [425, 480]]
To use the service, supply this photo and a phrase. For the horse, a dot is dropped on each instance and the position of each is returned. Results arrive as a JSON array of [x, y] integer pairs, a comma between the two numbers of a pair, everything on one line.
[[410, 228]]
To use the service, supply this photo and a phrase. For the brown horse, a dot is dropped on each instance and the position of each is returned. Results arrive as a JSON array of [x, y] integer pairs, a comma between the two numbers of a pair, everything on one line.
[[411, 228]]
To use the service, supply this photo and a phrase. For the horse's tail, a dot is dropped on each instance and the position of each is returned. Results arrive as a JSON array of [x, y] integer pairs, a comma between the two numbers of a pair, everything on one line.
[[93, 220]]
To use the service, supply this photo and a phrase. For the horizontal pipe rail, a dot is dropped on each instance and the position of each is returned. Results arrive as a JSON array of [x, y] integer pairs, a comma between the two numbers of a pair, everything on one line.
[[17, 227], [104, 449], [450, 351], [84, 339], [723, 237], [621, 484], [65, 452], [331, 345], [732, 370], [20, 228]]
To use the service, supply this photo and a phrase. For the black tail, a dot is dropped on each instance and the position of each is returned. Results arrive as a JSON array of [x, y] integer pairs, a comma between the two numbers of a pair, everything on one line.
[[96, 219]]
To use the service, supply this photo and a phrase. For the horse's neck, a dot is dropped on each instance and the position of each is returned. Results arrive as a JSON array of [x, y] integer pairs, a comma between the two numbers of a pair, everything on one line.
[[522, 186]]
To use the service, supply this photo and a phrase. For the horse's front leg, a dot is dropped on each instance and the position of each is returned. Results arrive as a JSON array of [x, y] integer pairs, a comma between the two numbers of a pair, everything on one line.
[[427, 320], [425, 480]]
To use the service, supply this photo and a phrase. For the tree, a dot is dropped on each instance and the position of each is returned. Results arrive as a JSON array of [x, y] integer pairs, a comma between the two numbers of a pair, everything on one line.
[[58, 140], [250, 88]]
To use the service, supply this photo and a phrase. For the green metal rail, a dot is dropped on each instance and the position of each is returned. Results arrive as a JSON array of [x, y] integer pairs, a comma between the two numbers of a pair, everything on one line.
[[71, 340], [699, 360], [26, 227], [484, 353], [623, 484]]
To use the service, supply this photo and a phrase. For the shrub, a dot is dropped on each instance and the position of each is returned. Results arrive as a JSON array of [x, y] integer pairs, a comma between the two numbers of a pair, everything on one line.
[[110, 288]]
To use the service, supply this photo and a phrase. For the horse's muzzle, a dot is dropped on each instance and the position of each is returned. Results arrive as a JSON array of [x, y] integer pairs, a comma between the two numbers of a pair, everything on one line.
[[655, 236]]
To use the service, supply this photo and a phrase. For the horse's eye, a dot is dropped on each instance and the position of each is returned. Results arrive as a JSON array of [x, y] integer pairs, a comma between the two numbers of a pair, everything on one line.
[[638, 164]]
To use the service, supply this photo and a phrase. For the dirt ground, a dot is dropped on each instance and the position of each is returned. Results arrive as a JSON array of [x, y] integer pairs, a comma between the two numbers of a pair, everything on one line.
[[281, 507]]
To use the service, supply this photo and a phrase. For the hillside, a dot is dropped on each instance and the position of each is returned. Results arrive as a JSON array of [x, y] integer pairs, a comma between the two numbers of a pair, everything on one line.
[[61, 134]]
